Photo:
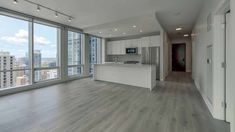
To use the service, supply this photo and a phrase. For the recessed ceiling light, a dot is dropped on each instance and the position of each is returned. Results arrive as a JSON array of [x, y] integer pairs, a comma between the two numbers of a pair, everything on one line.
[[186, 35], [124, 33], [193, 35], [15, 1], [134, 26], [178, 29], [115, 29], [100, 32], [38, 8], [141, 31]]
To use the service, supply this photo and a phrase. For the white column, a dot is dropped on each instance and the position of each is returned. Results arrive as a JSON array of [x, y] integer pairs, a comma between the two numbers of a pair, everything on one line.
[[86, 62], [64, 54]]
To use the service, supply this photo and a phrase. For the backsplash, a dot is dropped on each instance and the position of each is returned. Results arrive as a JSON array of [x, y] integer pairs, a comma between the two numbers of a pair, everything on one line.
[[123, 58]]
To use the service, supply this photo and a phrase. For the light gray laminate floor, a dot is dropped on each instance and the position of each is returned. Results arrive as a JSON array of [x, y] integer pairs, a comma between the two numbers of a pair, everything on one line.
[[93, 106]]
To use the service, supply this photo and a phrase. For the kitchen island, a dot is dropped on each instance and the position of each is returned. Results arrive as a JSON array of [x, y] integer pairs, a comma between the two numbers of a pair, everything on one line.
[[130, 74]]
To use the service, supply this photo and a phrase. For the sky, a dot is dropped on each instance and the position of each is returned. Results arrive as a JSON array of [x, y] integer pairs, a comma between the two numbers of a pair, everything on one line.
[[14, 38]]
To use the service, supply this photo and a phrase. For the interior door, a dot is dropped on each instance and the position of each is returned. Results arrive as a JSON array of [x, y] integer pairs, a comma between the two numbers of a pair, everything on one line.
[[209, 60], [178, 57]]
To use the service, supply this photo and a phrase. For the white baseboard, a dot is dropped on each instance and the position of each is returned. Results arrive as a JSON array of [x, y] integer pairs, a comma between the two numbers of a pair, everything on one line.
[[208, 104]]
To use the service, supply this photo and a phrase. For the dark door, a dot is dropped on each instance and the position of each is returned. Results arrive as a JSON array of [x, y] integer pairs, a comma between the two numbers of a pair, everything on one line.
[[178, 57]]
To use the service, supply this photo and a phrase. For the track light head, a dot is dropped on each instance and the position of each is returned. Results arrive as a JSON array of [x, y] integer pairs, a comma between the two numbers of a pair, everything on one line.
[[56, 14], [15, 1], [38, 8], [70, 19]]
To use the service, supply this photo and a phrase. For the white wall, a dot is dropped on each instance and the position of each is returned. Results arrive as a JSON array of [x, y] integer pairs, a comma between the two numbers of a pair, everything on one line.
[[203, 38], [231, 62], [188, 43], [162, 55], [166, 55]]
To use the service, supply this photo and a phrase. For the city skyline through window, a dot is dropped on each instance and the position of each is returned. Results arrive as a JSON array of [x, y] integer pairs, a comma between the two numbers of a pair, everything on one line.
[[14, 48], [94, 52], [74, 53], [15, 68], [45, 52], [26, 62]]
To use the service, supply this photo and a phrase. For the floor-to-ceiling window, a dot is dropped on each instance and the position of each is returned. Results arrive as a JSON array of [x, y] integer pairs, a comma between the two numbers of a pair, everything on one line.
[[95, 52], [46, 52], [74, 53], [31, 52], [14, 47]]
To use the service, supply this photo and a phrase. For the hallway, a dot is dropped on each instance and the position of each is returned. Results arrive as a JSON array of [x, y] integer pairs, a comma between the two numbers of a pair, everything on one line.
[[93, 106]]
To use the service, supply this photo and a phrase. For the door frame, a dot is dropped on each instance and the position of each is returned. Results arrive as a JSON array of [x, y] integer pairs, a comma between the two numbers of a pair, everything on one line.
[[220, 13], [225, 69], [185, 47]]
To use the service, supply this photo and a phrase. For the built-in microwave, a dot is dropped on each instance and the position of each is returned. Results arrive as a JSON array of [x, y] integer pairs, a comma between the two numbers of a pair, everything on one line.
[[132, 50]]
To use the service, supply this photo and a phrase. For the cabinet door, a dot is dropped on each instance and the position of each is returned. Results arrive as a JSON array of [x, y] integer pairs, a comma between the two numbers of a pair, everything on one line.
[[154, 41], [128, 43], [118, 48], [135, 43], [109, 48], [122, 47], [145, 41], [114, 48], [139, 46]]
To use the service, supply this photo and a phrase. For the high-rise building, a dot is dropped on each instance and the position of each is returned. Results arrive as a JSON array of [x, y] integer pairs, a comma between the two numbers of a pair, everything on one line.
[[37, 64], [74, 52], [94, 52], [21, 80], [7, 62]]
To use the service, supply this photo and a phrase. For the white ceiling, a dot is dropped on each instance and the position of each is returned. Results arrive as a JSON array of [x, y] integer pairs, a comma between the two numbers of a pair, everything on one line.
[[95, 16]]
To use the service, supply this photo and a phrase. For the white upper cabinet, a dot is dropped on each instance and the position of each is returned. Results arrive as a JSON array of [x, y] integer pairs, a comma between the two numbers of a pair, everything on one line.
[[109, 48], [116, 48], [139, 46], [122, 47], [145, 41], [135, 43], [128, 43], [119, 47], [154, 41]]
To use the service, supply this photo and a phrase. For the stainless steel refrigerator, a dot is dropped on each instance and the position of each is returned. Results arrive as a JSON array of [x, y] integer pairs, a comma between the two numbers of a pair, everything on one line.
[[151, 56]]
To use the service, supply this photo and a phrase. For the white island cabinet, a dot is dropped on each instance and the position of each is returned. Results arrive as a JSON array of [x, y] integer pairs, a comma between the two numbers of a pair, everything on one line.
[[130, 74]]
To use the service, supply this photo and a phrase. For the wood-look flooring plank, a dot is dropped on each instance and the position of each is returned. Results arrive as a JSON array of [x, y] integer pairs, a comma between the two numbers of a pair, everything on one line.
[[95, 106]]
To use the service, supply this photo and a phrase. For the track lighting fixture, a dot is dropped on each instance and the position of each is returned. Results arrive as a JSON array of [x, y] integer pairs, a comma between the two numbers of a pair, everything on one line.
[[40, 6]]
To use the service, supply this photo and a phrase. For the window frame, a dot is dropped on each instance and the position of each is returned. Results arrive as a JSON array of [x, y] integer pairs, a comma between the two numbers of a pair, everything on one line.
[[29, 68], [81, 54], [58, 49]]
